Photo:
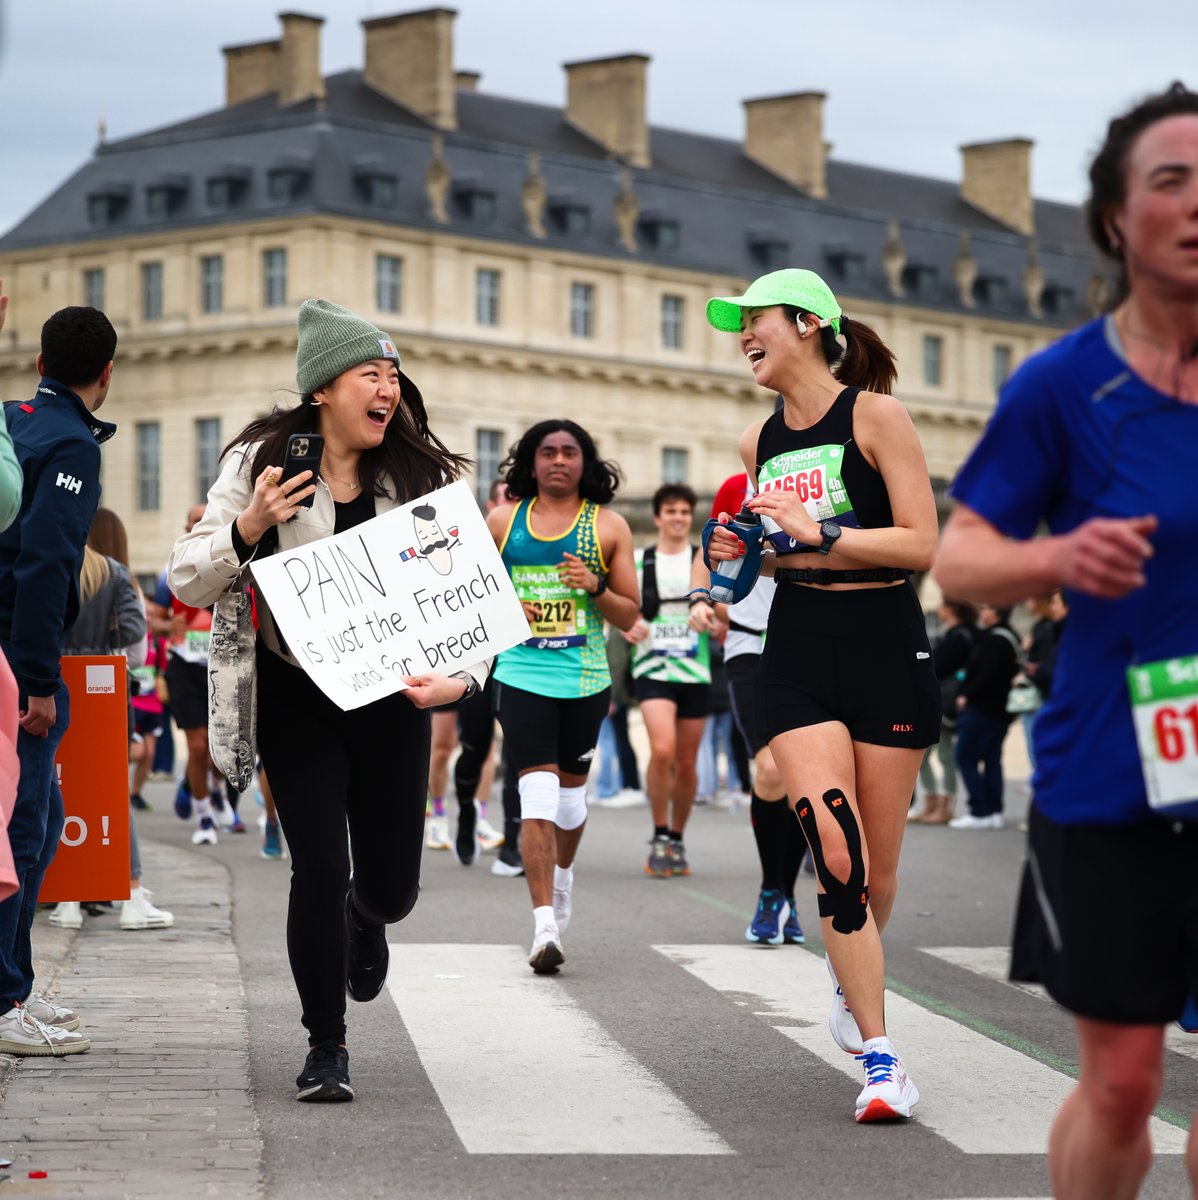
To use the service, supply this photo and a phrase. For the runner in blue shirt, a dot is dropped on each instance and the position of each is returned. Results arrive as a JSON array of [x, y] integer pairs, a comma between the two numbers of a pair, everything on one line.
[[1095, 438]]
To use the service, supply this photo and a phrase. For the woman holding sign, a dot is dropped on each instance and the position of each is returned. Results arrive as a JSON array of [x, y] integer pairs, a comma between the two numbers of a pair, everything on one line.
[[848, 699], [1094, 438], [327, 766]]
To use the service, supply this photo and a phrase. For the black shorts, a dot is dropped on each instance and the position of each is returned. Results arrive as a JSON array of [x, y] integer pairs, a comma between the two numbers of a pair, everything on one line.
[[858, 657], [148, 723], [1107, 918], [693, 699], [741, 673], [188, 684], [546, 730]]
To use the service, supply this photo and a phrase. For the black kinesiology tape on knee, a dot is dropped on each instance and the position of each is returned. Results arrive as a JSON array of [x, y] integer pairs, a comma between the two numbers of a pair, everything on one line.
[[846, 903]]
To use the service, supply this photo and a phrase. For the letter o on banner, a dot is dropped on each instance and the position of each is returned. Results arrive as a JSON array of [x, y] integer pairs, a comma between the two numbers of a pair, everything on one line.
[[76, 841]]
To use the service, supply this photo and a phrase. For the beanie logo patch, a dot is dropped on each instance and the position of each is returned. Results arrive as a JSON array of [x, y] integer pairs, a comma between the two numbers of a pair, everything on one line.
[[388, 348]]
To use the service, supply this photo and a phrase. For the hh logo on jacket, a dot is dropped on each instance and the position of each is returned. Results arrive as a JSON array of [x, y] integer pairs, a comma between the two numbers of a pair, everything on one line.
[[69, 482]]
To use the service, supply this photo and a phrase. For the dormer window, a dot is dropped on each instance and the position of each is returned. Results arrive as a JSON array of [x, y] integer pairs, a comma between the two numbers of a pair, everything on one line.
[[661, 233], [288, 180], [375, 183], [226, 189], [1057, 300], [847, 265], [108, 204], [921, 280], [164, 197], [991, 290], [574, 220], [772, 253], [476, 203]]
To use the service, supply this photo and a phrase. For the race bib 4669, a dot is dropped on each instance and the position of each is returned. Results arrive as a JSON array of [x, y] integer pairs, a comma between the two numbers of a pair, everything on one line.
[[814, 475]]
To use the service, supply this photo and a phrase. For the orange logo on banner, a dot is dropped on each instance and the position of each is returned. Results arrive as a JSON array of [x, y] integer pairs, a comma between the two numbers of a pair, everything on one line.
[[92, 862]]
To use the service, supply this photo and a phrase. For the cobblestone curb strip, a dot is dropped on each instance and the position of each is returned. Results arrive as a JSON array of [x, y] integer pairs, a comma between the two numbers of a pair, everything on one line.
[[160, 1106]]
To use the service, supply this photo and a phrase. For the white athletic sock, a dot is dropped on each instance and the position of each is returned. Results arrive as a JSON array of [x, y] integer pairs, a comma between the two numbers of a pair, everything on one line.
[[563, 880], [543, 919], [203, 807], [882, 1045]]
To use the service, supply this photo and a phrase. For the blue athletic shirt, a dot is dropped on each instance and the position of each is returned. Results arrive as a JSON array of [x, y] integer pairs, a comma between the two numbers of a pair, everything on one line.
[[1077, 434]]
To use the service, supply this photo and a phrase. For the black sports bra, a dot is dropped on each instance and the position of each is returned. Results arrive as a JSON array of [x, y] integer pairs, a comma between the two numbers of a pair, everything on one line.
[[824, 465]]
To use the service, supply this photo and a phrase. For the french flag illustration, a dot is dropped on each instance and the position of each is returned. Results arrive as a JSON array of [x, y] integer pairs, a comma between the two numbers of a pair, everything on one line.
[[405, 555]]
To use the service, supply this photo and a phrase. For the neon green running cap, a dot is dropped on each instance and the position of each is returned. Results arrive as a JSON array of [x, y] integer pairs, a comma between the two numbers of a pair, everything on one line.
[[802, 289]]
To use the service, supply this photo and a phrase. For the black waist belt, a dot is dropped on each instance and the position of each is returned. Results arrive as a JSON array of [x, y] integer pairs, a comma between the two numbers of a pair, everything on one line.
[[817, 575], [736, 627]]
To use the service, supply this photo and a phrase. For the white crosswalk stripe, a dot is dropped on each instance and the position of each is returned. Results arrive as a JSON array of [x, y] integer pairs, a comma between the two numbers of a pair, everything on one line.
[[991, 962], [982, 1096], [555, 1082]]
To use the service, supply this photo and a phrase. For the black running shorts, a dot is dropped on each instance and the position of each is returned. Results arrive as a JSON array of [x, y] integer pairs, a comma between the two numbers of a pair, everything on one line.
[[1107, 918], [693, 700], [188, 684], [741, 672], [547, 731], [858, 657]]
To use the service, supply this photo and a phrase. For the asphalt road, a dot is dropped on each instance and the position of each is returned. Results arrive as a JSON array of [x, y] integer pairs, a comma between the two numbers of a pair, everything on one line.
[[669, 1058]]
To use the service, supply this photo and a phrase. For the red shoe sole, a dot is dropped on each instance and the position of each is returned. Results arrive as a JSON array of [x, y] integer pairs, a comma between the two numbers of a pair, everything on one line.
[[879, 1110]]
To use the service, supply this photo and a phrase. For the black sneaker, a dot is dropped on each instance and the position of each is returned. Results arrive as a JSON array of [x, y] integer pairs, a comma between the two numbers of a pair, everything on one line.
[[139, 802], [325, 1075], [465, 846], [508, 861], [368, 955]]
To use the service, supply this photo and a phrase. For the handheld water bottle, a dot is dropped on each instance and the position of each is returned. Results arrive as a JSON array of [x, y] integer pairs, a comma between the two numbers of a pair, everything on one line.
[[732, 581]]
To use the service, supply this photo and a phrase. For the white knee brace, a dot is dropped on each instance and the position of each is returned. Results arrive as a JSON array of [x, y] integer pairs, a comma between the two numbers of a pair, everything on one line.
[[539, 796], [571, 807]]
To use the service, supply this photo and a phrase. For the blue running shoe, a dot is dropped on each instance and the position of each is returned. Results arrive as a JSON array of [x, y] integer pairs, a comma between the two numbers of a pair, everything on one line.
[[1189, 1016], [792, 931], [766, 927], [272, 840], [183, 801]]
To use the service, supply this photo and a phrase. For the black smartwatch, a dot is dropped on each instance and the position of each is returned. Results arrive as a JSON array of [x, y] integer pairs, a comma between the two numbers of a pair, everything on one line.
[[602, 585], [830, 531]]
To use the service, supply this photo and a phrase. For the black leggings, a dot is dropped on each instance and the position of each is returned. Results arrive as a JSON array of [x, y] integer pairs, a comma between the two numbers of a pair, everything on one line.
[[476, 734], [368, 767]]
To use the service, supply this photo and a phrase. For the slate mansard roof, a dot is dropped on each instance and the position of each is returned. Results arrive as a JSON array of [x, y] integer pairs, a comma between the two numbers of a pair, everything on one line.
[[726, 207]]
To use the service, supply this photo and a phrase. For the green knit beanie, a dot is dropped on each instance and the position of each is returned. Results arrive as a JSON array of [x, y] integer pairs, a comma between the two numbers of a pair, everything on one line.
[[331, 340]]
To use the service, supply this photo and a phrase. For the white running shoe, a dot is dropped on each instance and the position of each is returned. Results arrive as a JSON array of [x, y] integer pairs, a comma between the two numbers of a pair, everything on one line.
[[489, 838], [969, 821], [205, 834], [437, 836], [563, 904], [841, 1022], [889, 1094], [49, 1013], [546, 955], [67, 915], [138, 913], [24, 1035]]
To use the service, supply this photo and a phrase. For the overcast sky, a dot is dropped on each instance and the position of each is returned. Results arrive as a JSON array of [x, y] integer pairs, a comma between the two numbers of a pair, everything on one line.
[[907, 83]]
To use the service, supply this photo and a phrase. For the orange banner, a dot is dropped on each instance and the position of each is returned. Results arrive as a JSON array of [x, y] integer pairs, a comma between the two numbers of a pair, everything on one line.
[[92, 862]]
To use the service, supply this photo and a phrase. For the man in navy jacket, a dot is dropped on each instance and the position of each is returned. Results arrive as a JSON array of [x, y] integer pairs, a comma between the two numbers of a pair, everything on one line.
[[57, 442]]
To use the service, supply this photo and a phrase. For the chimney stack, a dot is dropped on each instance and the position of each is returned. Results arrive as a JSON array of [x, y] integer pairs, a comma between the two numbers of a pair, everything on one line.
[[251, 70], [409, 58], [299, 59], [606, 99], [785, 134], [466, 81], [997, 180]]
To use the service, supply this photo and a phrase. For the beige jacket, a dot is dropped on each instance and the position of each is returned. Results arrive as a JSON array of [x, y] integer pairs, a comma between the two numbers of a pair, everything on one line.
[[203, 563]]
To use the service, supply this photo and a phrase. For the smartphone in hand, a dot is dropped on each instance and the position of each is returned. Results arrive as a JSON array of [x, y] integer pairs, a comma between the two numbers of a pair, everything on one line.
[[304, 451]]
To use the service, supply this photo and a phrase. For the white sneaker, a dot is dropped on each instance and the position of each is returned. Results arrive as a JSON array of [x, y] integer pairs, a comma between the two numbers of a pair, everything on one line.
[[562, 902], [546, 955], [24, 1035], [888, 1094], [841, 1022], [138, 913], [37, 1006], [969, 821], [437, 837], [67, 915], [489, 838], [205, 834]]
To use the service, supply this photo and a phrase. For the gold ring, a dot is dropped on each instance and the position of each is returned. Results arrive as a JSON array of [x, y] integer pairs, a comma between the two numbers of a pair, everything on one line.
[[272, 480]]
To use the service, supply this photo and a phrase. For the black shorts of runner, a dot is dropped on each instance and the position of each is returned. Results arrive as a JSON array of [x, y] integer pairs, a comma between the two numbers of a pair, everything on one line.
[[1096, 895], [860, 657], [693, 699], [741, 673], [148, 724], [544, 730], [188, 684]]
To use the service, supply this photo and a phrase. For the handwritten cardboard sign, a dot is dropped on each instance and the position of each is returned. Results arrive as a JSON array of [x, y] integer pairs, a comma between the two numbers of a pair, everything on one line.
[[421, 588], [92, 860]]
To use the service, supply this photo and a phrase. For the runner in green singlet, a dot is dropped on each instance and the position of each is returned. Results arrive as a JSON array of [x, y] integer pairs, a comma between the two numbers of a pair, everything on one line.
[[571, 562]]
